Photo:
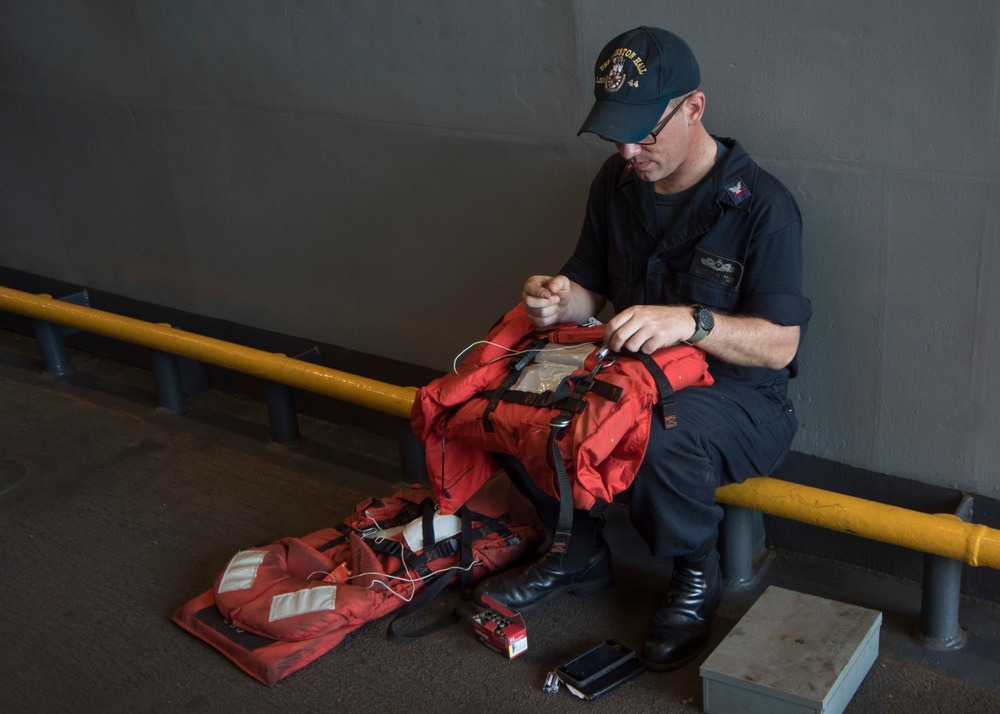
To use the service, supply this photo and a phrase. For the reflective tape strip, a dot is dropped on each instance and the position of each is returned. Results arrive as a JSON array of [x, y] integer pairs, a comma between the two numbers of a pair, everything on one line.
[[303, 601], [242, 570]]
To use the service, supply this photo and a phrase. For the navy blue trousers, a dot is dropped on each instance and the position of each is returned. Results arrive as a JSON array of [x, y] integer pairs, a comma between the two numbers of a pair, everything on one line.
[[724, 434]]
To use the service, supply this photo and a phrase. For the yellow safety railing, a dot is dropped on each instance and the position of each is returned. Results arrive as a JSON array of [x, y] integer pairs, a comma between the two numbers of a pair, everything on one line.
[[259, 363], [939, 535]]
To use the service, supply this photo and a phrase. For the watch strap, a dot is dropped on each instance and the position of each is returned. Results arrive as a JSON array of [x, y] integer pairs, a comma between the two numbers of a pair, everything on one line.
[[702, 329]]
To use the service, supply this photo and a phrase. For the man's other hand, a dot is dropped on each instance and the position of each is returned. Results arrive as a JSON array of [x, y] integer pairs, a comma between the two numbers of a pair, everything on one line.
[[546, 299]]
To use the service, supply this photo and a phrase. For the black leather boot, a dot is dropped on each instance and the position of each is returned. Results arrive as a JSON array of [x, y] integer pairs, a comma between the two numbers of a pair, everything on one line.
[[681, 630], [531, 585]]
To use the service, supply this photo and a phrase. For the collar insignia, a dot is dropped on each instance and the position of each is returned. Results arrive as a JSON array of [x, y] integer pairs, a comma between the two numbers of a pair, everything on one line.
[[738, 191]]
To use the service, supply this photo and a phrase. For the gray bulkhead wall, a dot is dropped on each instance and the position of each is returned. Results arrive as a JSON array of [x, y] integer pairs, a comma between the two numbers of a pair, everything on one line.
[[382, 176]]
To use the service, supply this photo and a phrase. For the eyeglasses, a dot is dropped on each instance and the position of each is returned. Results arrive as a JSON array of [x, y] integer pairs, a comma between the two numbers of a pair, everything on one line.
[[651, 139]]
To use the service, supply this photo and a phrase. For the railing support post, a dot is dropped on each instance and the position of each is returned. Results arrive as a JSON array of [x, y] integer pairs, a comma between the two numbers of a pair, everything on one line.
[[938, 628], [51, 339], [169, 386], [742, 540], [281, 411]]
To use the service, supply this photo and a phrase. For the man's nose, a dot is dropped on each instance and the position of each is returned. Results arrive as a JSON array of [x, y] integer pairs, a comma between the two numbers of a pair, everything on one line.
[[628, 150]]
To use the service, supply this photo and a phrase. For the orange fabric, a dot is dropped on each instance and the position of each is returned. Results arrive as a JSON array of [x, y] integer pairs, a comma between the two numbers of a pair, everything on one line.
[[602, 448], [239, 621]]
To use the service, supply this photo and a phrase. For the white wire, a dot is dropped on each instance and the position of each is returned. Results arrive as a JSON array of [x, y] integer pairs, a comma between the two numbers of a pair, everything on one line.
[[381, 530], [454, 362], [412, 581], [402, 557], [509, 352]]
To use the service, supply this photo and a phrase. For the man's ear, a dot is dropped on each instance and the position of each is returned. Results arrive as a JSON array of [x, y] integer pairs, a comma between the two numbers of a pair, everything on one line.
[[695, 107]]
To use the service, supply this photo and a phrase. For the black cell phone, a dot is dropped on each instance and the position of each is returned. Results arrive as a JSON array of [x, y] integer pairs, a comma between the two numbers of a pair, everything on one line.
[[625, 672], [595, 662]]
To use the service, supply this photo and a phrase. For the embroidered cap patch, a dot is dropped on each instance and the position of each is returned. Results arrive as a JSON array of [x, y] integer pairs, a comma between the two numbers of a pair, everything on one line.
[[738, 191]]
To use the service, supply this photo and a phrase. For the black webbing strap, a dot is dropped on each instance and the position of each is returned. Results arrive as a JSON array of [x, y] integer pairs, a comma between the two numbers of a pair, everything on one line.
[[427, 511], [410, 560], [490, 524], [611, 392], [553, 399], [547, 398], [667, 407], [514, 367], [564, 526], [434, 587], [573, 405], [465, 558], [343, 528], [407, 513], [403, 516]]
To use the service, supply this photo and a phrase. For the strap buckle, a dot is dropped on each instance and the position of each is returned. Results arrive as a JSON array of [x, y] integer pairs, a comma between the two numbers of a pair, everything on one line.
[[561, 421]]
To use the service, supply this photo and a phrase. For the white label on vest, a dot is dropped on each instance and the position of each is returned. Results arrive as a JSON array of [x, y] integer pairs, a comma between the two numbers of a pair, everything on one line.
[[242, 570], [302, 602], [444, 527]]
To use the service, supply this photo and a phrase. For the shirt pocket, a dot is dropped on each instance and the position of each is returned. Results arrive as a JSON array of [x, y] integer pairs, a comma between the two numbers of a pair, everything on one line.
[[623, 282], [708, 293]]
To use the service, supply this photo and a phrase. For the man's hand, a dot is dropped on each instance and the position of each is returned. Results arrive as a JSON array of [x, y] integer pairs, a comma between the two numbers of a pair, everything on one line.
[[547, 299], [553, 300], [647, 328], [737, 339]]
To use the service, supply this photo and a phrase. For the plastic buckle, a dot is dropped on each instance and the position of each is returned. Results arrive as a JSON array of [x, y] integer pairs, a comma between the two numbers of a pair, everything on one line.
[[560, 421]]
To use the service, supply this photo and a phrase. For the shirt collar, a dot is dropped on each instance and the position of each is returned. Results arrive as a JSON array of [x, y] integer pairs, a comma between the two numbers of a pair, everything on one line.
[[730, 181]]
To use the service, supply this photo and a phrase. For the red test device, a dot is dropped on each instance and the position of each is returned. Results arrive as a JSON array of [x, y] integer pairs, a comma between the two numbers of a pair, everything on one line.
[[501, 629]]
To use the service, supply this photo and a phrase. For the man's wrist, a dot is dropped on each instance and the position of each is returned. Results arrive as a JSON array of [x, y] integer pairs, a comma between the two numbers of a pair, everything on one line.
[[704, 321]]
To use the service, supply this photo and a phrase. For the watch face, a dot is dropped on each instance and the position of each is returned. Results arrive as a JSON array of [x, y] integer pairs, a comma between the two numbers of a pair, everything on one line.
[[704, 318]]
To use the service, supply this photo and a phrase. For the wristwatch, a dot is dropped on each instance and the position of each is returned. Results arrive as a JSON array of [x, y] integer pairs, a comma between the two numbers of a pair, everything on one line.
[[704, 321]]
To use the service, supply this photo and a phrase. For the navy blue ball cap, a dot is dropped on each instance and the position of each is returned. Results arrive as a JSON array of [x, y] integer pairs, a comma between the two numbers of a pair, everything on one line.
[[636, 76]]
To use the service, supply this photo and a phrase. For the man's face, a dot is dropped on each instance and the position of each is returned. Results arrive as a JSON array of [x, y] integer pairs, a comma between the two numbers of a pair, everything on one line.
[[655, 161]]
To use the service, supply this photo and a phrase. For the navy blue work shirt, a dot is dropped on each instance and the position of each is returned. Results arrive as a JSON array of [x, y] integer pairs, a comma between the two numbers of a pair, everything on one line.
[[735, 247]]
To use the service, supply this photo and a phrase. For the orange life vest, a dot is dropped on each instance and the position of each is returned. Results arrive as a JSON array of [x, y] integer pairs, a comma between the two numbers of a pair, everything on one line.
[[276, 608], [466, 416]]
